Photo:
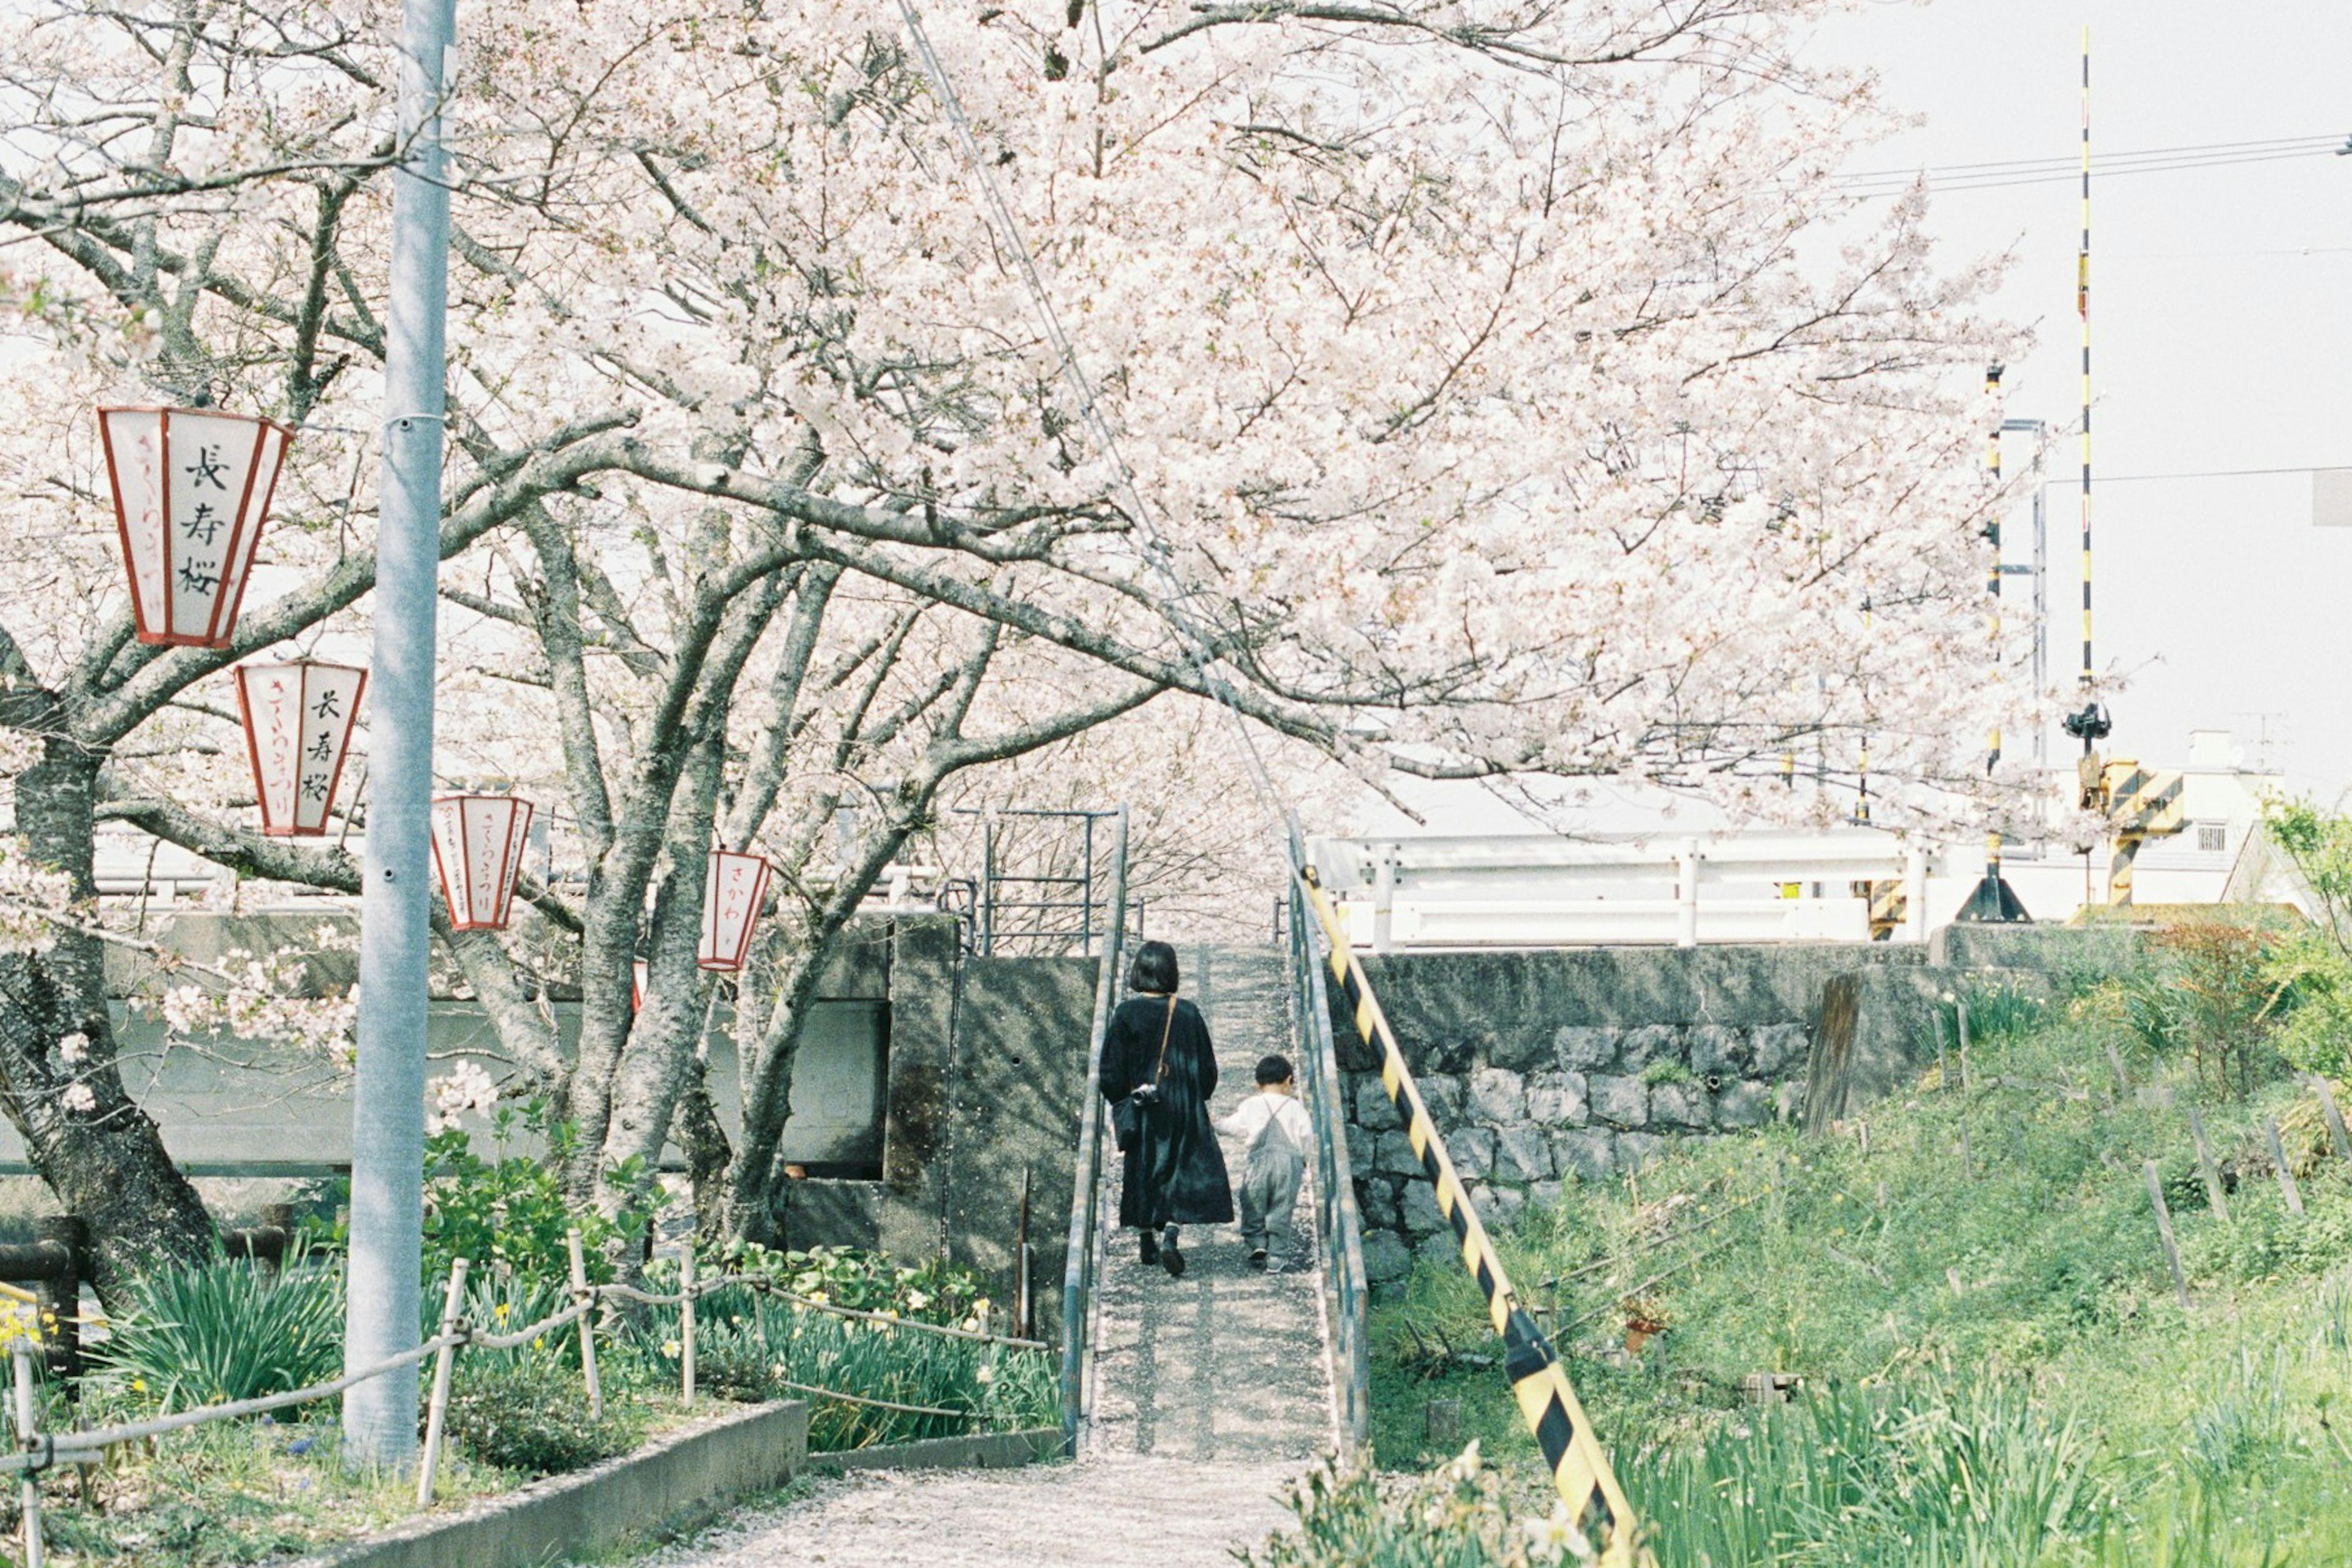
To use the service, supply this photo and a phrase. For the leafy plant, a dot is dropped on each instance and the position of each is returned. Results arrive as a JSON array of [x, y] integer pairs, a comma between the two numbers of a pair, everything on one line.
[[753, 1346], [510, 1209], [1454, 1518], [1996, 1010], [937, 1291], [1918, 1472], [232, 1329], [525, 1417]]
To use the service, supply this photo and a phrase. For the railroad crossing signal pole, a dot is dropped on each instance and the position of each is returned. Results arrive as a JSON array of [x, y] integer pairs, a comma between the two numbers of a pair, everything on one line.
[[395, 902]]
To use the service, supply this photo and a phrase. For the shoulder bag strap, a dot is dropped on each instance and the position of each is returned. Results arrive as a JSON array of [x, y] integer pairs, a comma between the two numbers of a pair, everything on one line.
[[1161, 1065]]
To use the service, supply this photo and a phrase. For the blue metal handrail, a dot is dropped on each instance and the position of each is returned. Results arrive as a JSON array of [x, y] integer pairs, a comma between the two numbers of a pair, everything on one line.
[[1078, 1273], [1339, 1228]]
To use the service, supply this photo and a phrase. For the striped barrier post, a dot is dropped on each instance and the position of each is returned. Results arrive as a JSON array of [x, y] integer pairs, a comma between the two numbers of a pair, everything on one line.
[[1580, 1472]]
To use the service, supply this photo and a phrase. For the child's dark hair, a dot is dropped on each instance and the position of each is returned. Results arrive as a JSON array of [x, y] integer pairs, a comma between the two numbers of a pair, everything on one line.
[[1154, 968], [1274, 1069]]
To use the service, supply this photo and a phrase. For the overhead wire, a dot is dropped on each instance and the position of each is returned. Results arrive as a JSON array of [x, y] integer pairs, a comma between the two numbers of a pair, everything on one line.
[[2042, 170]]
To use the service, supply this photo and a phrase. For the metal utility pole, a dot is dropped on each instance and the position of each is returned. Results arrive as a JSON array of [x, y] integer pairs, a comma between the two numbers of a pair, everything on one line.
[[388, 1091], [2039, 574]]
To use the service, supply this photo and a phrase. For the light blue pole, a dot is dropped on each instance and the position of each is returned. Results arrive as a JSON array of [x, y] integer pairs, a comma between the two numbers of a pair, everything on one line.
[[388, 1096]]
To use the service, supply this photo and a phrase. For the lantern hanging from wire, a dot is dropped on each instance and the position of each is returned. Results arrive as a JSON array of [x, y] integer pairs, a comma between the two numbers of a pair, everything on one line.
[[298, 730], [731, 895], [192, 488], [477, 849]]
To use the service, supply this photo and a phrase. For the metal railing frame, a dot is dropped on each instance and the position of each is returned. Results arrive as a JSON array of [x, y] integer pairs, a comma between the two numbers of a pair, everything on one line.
[[1338, 1227], [1085, 1193]]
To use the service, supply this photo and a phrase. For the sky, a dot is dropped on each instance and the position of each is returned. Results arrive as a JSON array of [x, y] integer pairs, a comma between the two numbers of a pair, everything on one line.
[[2221, 320]]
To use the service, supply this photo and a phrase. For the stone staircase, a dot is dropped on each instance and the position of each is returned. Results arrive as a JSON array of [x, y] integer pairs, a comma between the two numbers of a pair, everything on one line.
[[1212, 1392]]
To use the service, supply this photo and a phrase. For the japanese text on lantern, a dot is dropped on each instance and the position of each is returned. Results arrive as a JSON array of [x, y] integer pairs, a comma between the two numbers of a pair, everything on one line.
[[298, 730], [192, 488], [477, 848], [731, 896]]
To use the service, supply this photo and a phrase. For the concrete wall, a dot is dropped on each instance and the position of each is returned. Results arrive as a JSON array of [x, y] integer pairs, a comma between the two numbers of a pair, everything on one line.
[[1020, 1072], [987, 1063], [983, 1065]]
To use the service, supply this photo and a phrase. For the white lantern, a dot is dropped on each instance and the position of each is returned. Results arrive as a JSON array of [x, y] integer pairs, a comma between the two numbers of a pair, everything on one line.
[[297, 728], [477, 848], [637, 973], [730, 906], [192, 488]]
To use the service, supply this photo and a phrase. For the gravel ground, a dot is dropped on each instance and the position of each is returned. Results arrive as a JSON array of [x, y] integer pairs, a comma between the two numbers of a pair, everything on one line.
[[1211, 1393]]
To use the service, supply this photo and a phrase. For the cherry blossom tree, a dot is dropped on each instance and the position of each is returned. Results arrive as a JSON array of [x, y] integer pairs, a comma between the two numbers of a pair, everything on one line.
[[1505, 389]]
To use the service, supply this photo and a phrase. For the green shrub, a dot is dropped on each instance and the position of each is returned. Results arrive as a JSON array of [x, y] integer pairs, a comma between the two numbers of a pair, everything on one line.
[[511, 1209], [938, 1291], [530, 1419], [1919, 1473], [225, 1330], [1454, 1518], [752, 1347]]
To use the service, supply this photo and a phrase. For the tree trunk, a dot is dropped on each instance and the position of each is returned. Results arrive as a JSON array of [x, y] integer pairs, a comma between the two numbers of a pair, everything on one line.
[[100, 1154], [708, 1154]]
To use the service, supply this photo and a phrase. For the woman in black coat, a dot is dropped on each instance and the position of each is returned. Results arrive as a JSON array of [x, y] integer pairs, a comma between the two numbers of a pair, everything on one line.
[[1175, 1172]]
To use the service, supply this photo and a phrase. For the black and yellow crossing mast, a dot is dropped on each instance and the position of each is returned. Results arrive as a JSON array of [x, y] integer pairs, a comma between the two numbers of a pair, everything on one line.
[[2089, 724], [2138, 805]]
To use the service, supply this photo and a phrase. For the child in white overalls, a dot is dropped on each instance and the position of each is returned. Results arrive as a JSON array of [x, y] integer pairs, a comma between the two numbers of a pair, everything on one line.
[[1275, 1135]]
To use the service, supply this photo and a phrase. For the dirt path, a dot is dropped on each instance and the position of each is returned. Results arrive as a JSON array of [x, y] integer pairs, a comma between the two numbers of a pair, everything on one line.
[[1212, 1392]]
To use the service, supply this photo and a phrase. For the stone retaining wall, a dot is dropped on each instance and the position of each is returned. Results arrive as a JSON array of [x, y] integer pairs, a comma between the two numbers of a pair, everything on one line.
[[1542, 1069]]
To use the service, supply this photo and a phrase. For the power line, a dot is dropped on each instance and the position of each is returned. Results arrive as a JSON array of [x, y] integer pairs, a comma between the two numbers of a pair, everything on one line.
[[1886, 185], [2200, 474], [2069, 165]]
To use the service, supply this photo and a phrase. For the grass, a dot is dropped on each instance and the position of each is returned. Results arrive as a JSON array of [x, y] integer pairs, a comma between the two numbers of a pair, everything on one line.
[[261, 1490], [1995, 1369]]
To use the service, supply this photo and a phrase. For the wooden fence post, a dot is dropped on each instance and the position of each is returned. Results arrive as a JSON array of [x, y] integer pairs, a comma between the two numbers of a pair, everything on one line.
[[2334, 1114], [437, 1410], [29, 1441], [2164, 1229], [587, 1324], [2278, 1164], [2205, 1164], [685, 1318]]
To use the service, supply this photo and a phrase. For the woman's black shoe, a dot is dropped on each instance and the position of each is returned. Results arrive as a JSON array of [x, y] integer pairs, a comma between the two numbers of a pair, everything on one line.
[[1173, 1261], [1151, 1249]]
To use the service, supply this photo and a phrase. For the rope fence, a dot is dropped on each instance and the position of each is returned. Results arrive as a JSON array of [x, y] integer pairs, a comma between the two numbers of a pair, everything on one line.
[[36, 1450]]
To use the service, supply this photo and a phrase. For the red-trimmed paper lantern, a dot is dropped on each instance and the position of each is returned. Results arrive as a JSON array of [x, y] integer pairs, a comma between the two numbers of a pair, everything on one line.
[[298, 728], [637, 985], [192, 488], [730, 907], [478, 846]]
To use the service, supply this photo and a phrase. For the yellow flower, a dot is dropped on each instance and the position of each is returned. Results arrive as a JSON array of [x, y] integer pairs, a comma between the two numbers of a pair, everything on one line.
[[500, 1312], [138, 1386]]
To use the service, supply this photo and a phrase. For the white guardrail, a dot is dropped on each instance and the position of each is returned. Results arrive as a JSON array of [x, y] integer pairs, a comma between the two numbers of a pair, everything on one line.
[[1542, 891]]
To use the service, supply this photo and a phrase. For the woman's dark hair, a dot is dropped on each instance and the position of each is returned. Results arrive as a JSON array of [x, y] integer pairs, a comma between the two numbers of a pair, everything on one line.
[[1154, 968]]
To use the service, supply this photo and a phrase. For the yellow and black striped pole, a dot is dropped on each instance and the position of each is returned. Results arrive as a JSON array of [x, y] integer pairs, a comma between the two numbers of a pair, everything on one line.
[[2082, 309], [1580, 1470]]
